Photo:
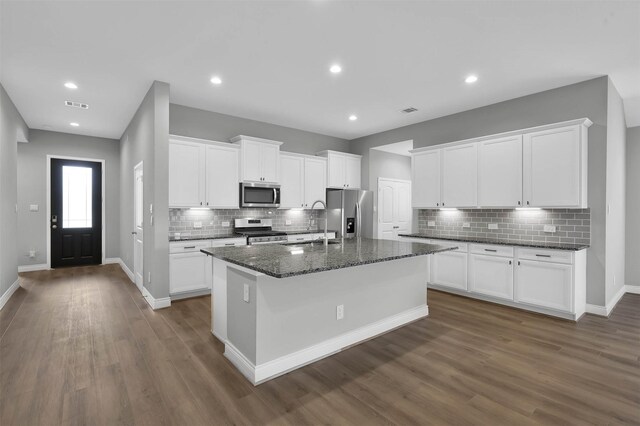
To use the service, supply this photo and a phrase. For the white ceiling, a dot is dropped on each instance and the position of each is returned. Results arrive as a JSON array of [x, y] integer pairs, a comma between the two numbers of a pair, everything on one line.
[[400, 148], [273, 58]]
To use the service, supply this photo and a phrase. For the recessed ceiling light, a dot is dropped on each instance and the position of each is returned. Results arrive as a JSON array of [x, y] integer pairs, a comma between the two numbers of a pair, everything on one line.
[[336, 69], [74, 124], [471, 79], [216, 80], [353, 117], [70, 85]]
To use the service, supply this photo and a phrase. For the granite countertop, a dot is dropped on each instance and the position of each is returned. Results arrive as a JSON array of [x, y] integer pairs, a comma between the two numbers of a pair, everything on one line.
[[202, 237], [479, 240], [288, 260]]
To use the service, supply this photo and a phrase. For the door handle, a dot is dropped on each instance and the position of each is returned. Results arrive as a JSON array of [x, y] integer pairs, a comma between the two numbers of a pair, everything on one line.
[[134, 233], [54, 226]]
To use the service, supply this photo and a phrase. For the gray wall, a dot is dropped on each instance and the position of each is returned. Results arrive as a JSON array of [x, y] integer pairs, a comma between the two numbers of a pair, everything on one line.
[[147, 139], [616, 194], [197, 123], [12, 129], [632, 266], [585, 99], [32, 188], [391, 166]]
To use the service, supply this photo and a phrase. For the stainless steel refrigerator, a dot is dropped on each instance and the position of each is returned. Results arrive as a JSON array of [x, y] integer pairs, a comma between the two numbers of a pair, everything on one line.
[[350, 212]]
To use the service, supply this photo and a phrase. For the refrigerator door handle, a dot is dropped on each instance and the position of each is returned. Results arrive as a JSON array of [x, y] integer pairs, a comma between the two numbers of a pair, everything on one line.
[[358, 219]]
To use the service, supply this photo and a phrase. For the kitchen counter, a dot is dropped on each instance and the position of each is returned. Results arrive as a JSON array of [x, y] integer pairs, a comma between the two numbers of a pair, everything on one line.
[[288, 260], [317, 231], [553, 246], [201, 237]]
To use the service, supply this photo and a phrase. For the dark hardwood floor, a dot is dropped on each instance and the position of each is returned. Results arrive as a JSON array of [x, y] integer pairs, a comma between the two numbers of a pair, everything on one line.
[[81, 346]]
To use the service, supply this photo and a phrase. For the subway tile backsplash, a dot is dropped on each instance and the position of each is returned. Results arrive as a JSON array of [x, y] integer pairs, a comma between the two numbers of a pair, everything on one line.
[[182, 220], [572, 225]]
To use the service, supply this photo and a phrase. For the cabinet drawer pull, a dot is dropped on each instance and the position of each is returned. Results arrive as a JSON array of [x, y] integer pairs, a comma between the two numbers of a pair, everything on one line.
[[299, 239], [491, 250], [543, 255], [189, 247], [229, 244]]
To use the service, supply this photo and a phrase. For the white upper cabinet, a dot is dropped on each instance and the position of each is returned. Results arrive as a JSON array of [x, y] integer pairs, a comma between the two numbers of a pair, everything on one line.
[[343, 169], [425, 170], [186, 174], [222, 176], [500, 172], [555, 167], [304, 180], [460, 176], [292, 186], [259, 159], [203, 173], [545, 166], [315, 181]]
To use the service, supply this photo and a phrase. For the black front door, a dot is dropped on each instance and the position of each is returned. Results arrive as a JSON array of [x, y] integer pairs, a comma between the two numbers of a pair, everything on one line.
[[76, 213]]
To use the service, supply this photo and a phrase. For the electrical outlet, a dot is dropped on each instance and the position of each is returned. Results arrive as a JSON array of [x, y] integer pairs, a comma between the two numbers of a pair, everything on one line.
[[431, 223], [466, 225], [287, 222], [33, 208], [245, 295], [493, 226], [339, 312], [32, 254], [225, 224], [549, 228], [197, 225]]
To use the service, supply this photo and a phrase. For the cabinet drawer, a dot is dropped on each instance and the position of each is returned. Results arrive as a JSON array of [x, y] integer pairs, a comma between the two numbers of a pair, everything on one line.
[[556, 256], [227, 242], [491, 250], [461, 247], [188, 246]]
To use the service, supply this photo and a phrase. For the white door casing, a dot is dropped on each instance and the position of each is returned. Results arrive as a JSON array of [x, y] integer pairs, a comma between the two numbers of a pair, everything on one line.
[[138, 220]]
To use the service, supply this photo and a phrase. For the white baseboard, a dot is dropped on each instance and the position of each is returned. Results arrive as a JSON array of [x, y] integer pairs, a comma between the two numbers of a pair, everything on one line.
[[633, 289], [31, 268], [7, 294], [269, 370], [604, 311], [164, 302]]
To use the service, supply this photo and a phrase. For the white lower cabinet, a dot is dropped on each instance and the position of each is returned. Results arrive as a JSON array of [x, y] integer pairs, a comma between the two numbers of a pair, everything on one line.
[[299, 238], [449, 268], [545, 284], [190, 271], [491, 275]]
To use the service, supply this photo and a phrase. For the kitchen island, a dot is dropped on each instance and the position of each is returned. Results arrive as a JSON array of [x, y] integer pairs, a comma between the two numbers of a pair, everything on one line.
[[281, 306]]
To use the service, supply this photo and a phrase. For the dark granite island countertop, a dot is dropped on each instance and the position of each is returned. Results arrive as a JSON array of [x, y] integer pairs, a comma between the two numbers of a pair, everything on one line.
[[288, 260], [480, 240]]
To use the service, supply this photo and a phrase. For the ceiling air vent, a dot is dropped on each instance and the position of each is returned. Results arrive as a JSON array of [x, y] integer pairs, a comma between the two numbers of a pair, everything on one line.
[[76, 104], [409, 110]]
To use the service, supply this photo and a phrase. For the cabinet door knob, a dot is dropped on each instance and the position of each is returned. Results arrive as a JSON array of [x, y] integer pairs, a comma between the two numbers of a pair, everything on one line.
[[518, 263], [509, 262], [518, 202], [527, 203], [437, 204], [200, 202]]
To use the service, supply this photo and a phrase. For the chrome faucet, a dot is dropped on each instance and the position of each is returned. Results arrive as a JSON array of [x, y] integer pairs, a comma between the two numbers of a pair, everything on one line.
[[326, 218]]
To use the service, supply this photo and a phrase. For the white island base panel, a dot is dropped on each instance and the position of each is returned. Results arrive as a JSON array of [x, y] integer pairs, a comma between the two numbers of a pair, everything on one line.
[[291, 322]]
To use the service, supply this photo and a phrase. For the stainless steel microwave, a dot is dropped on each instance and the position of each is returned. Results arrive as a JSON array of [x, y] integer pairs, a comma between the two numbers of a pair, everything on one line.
[[254, 194]]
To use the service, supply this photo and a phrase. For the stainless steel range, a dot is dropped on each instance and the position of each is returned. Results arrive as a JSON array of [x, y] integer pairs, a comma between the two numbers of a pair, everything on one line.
[[259, 231]]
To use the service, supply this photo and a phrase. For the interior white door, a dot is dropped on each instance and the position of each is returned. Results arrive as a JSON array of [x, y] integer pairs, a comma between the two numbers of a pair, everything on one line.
[[425, 175], [315, 181], [500, 172], [292, 171], [460, 176], [138, 220], [394, 208]]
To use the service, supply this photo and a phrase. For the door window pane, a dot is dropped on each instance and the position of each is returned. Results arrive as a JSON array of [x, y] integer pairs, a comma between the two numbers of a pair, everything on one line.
[[76, 197]]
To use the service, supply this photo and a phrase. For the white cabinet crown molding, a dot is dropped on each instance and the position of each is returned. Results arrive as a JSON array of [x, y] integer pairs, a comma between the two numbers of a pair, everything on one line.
[[296, 154], [581, 121], [178, 138], [329, 151], [240, 138]]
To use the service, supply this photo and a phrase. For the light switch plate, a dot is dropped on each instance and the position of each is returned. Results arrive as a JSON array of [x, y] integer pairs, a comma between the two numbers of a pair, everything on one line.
[[225, 224], [431, 223], [549, 228], [493, 226], [287, 222], [33, 208], [466, 225]]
